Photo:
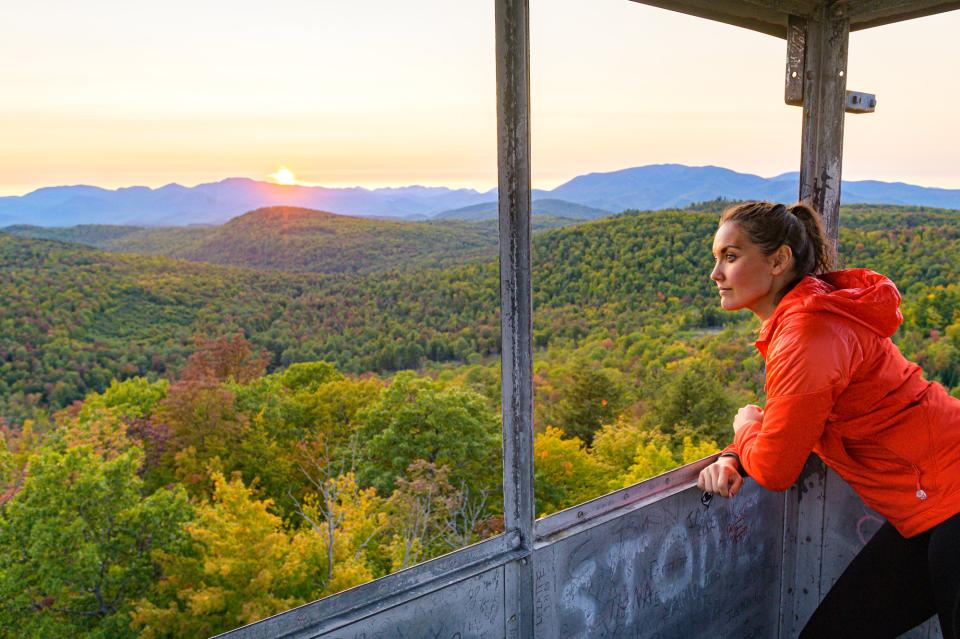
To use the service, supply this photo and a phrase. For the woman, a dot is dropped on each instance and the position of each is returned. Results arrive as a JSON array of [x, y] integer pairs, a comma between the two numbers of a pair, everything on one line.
[[837, 386]]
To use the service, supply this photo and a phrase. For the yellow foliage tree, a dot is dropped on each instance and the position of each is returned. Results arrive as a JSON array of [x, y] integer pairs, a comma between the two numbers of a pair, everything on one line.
[[693, 451], [653, 459], [347, 519], [616, 444], [243, 566], [565, 474], [98, 427], [649, 461]]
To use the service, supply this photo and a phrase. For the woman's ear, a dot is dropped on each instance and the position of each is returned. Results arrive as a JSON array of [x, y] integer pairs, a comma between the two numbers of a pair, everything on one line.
[[782, 259]]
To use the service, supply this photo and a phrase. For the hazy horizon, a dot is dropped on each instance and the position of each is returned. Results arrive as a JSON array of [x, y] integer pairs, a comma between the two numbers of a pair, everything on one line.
[[427, 184]]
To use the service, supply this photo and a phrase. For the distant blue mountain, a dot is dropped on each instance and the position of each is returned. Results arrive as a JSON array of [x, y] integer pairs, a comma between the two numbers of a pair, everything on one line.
[[215, 203], [661, 186], [650, 187]]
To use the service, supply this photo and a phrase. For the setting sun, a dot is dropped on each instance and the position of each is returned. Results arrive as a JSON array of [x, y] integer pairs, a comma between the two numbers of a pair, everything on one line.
[[283, 175]]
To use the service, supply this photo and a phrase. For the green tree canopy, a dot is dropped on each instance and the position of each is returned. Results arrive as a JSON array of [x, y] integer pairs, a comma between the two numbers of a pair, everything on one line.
[[418, 418], [76, 545]]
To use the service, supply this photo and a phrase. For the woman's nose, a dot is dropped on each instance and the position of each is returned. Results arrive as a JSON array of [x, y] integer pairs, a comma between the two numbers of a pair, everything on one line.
[[716, 273]]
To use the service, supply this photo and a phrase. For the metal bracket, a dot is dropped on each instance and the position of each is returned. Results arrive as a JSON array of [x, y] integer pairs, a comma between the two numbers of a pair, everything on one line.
[[858, 102], [855, 102]]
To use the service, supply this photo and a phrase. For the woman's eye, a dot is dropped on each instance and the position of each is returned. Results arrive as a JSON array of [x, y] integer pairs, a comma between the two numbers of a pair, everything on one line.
[[730, 257]]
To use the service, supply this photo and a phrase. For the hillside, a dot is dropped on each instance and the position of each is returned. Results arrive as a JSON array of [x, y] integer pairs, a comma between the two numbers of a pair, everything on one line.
[[96, 235], [545, 206], [300, 240], [295, 239], [74, 317]]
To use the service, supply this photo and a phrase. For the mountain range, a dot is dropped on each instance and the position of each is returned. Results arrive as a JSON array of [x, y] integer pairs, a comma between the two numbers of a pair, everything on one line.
[[651, 187]]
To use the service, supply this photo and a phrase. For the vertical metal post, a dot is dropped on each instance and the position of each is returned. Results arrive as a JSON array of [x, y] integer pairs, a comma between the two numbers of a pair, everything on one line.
[[824, 66], [516, 301], [804, 516], [824, 94]]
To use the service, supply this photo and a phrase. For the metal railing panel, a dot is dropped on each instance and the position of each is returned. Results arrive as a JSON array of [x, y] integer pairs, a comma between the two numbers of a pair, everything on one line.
[[395, 599], [645, 561], [668, 568], [469, 609]]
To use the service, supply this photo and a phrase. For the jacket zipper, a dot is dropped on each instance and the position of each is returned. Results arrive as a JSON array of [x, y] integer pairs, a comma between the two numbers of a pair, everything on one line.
[[921, 493]]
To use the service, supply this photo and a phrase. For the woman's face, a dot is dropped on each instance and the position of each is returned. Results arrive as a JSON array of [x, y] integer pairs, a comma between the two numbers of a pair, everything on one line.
[[746, 277]]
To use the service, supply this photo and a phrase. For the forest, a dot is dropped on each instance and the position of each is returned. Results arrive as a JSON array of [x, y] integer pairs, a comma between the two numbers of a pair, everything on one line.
[[299, 240], [189, 447]]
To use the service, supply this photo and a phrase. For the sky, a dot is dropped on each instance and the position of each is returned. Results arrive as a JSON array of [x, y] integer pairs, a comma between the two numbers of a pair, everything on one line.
[[382, 93]]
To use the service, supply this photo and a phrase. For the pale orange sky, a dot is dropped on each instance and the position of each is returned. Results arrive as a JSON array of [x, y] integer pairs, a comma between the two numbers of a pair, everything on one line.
[[377, 93]]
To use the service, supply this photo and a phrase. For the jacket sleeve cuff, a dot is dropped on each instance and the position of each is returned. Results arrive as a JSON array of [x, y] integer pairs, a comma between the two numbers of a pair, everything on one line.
[[740, 468], [733, 451]]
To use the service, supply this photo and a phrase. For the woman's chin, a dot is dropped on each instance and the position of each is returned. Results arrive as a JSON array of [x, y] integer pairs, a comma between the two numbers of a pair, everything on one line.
[[727, 304]]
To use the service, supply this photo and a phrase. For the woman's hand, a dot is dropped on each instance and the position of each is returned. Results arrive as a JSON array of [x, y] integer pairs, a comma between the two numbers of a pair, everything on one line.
[[722, 477], [747, 414]]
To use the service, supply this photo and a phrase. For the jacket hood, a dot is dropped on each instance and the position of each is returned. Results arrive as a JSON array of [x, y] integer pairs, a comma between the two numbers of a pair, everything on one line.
[[860, 295]]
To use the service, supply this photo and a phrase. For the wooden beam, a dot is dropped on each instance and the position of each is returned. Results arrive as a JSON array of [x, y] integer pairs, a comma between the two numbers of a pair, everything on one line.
[[876, 8], [825, 85], [875, 13], [802, 8], [516, 303], [771, 16], [738, 13]]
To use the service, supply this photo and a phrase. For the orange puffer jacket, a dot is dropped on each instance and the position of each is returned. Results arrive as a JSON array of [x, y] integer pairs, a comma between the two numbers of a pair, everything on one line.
[[836, 385]]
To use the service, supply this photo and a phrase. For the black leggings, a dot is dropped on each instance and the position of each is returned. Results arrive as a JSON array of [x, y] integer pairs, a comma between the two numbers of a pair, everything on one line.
[[895, 584]]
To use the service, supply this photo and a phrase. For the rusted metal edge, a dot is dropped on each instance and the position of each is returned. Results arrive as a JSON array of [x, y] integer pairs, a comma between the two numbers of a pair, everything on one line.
[[602, 509], [333, 612]]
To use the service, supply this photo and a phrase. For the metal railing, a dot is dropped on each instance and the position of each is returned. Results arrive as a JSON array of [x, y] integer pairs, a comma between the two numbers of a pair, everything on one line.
[[649, 560]]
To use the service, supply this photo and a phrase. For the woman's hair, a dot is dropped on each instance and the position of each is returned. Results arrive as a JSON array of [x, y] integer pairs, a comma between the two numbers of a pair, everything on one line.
[[770, 226]]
